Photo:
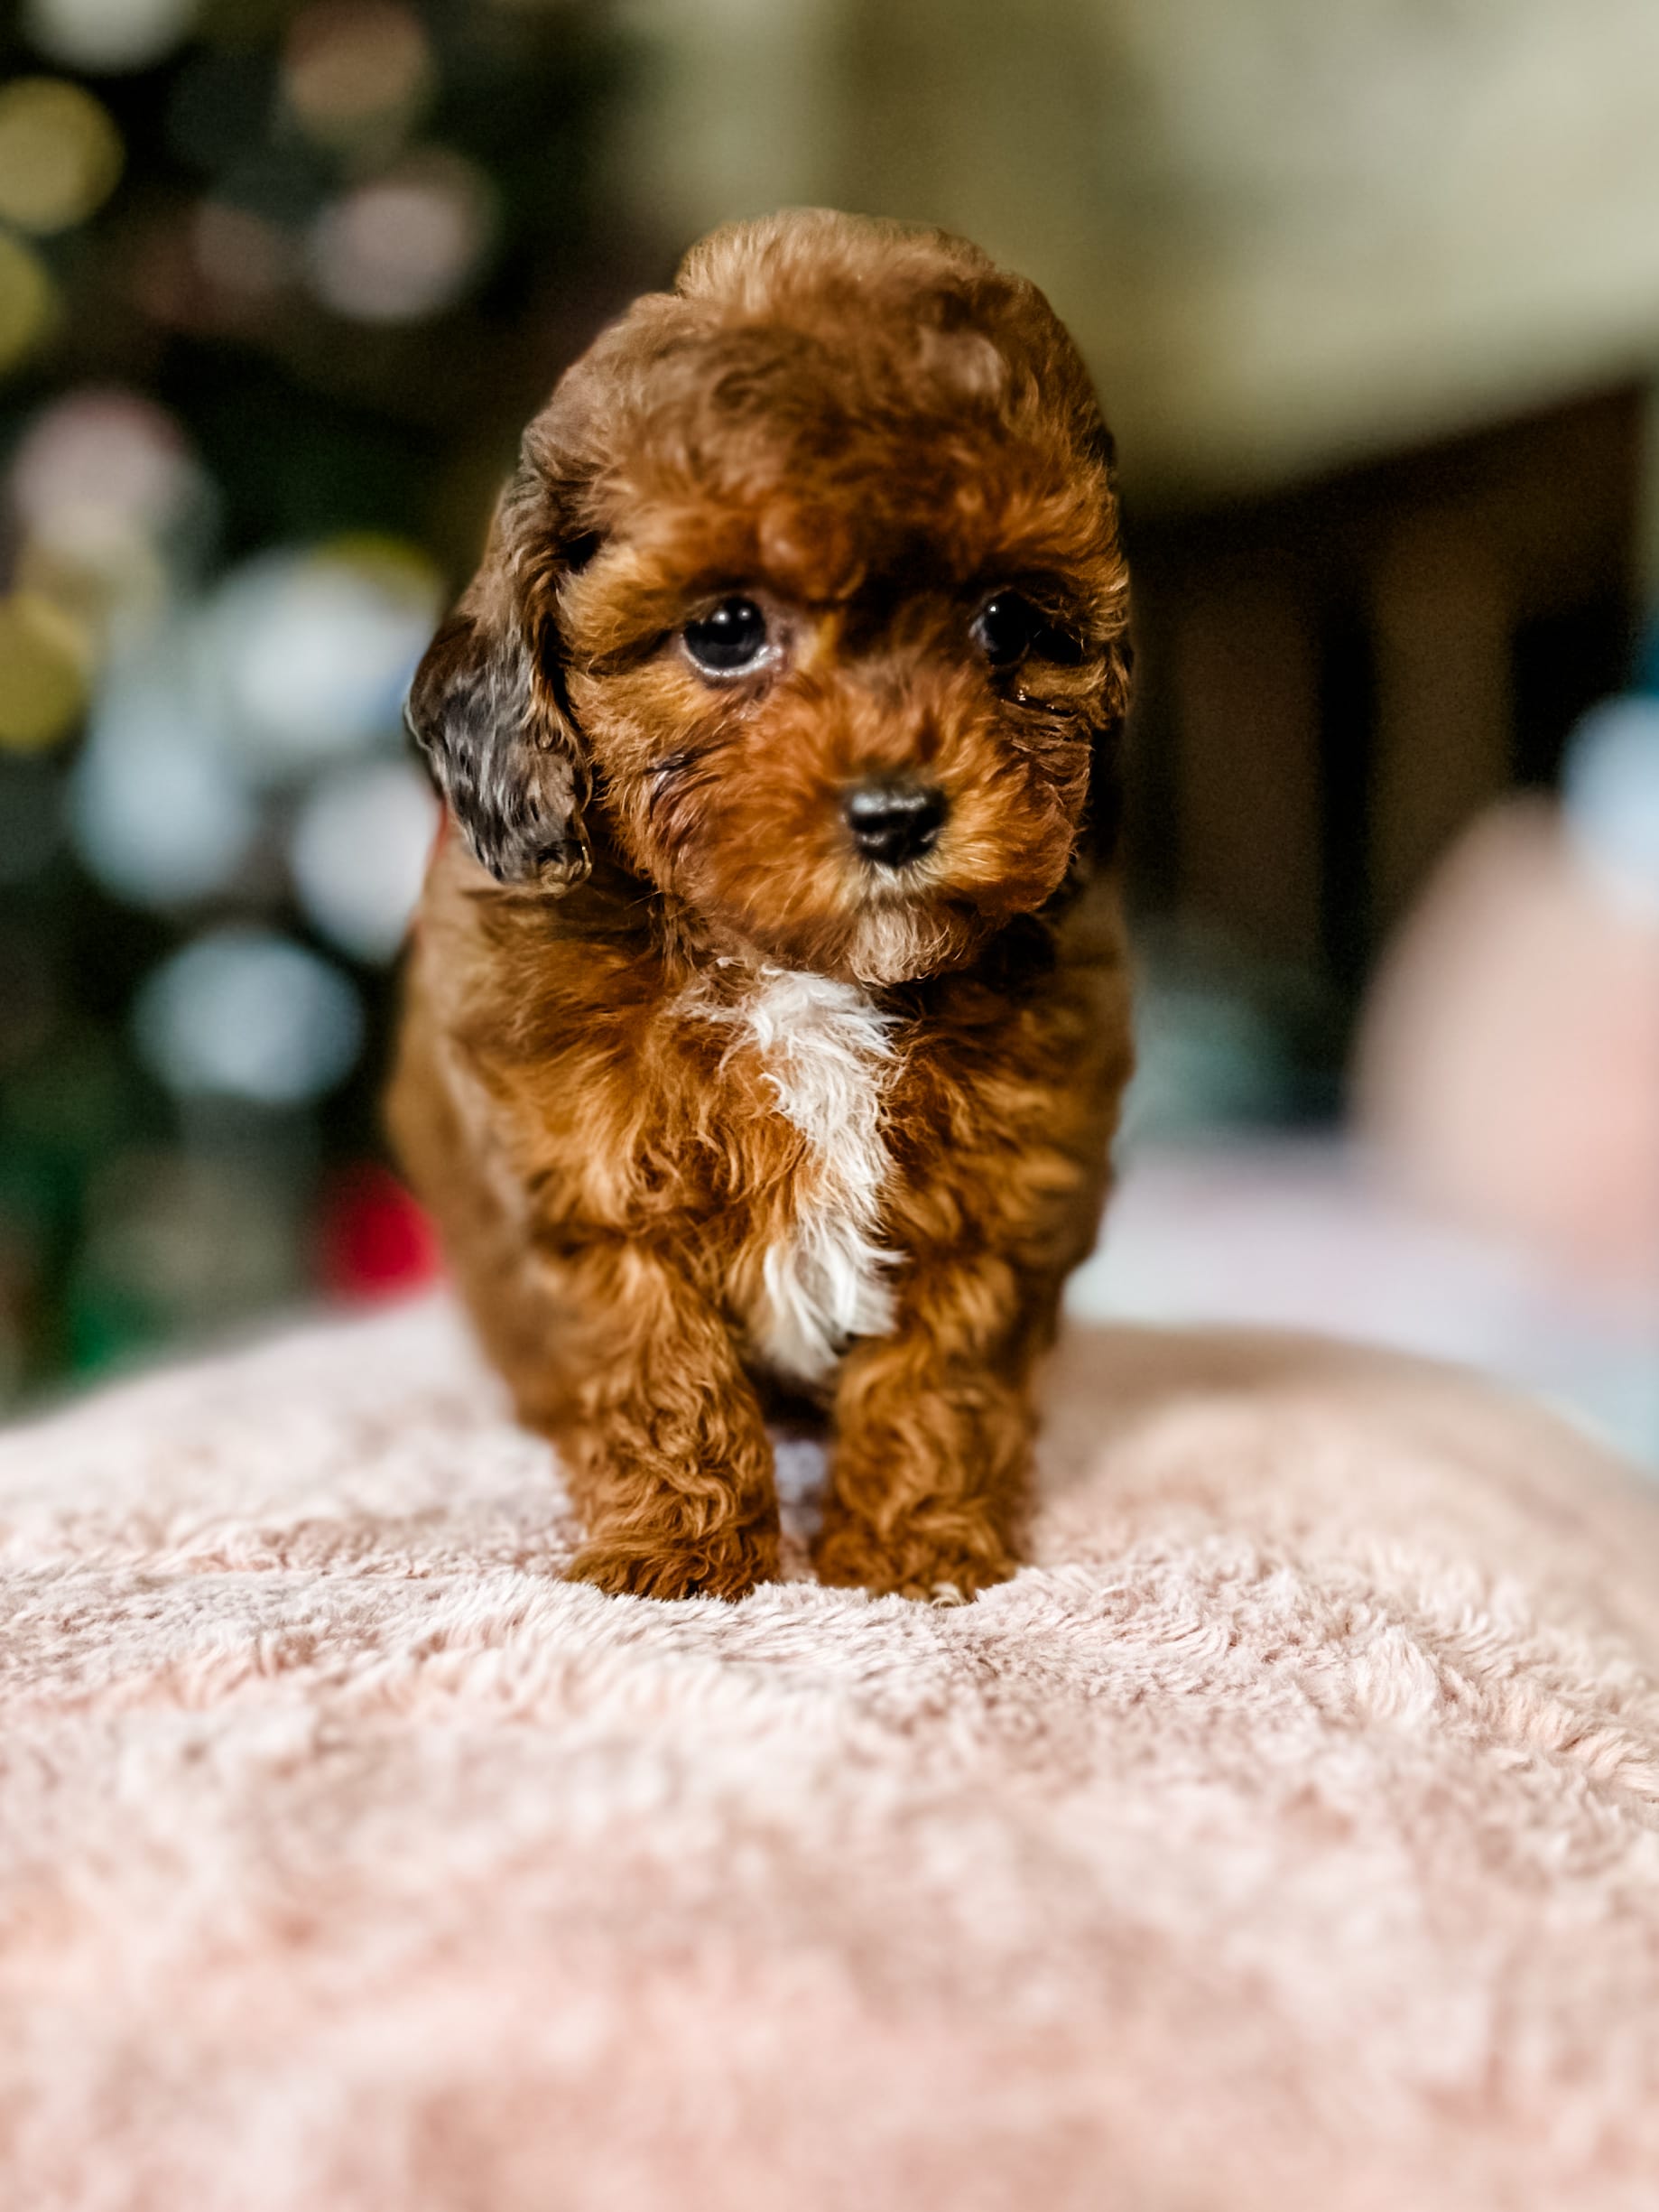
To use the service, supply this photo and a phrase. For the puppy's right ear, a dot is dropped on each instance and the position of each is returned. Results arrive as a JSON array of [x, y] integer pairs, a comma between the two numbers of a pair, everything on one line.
[[486, 708]]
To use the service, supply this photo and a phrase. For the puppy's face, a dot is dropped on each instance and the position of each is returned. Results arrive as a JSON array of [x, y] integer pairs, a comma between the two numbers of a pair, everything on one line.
[[814, 575]]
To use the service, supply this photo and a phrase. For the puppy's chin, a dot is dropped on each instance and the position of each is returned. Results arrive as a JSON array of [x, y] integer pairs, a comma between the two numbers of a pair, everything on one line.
[[903, 944], [878, 945]]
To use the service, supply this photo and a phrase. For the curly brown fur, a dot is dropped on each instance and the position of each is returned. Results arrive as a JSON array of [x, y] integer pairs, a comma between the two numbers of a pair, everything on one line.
[[708, 1102]]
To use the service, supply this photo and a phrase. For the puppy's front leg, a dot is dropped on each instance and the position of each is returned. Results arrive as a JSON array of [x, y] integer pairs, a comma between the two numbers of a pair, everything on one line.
[[929, 1481], [668, 1457]]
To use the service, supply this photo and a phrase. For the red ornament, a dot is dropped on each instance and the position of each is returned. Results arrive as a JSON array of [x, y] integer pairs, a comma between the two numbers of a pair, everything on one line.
[[374, 1242]]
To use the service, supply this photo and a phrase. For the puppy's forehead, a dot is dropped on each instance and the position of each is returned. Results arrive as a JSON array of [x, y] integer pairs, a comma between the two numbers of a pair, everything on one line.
[[821, 460]]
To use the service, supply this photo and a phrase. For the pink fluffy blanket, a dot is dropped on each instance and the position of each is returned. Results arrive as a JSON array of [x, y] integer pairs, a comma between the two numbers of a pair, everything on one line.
[[1288, 1836]]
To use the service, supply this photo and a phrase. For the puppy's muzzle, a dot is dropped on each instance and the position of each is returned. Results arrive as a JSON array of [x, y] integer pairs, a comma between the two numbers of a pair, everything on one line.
[[894, 823]]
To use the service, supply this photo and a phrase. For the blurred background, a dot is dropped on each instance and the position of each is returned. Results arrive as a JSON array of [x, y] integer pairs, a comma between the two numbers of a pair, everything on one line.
[[1371, 291]]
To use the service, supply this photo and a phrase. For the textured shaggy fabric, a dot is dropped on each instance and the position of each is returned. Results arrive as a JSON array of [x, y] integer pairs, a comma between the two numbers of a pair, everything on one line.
[[1285, 1837]]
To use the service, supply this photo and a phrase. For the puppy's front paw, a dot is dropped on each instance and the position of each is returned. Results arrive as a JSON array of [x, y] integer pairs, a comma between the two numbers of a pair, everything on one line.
[[941, 1568], [668, 1570]]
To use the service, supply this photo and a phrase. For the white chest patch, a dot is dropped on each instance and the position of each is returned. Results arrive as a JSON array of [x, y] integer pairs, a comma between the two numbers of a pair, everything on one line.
[[826, 1051]]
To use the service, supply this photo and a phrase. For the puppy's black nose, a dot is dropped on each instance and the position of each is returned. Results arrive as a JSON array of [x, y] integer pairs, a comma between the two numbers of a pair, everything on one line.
[[895, 823]]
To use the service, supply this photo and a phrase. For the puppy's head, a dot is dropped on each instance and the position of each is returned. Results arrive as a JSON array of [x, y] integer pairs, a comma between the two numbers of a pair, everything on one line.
[[807, 601]]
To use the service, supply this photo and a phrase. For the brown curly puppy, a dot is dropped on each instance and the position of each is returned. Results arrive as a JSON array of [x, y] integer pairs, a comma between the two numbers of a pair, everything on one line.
[[767, 1022]]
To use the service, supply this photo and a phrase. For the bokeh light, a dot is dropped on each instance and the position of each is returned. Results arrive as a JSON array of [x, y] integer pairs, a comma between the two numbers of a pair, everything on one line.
[[60, 153], [358, 855], [28, 301], [407, 244], [243, 1013], [43, 683], [315, 650], [1611, 786], [101, 451], [161, 813], [108, 501], [355, 70], [114, 591], [109, 36]]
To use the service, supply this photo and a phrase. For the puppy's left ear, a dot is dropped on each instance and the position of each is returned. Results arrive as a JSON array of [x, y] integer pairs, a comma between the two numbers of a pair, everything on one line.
[[487, 705]]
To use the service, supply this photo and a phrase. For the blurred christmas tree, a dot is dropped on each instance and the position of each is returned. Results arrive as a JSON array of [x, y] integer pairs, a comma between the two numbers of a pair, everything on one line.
[[278, 283]]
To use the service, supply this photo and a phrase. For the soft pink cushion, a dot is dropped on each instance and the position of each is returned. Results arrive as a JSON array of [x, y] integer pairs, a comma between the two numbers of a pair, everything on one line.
[[1288, 1836]]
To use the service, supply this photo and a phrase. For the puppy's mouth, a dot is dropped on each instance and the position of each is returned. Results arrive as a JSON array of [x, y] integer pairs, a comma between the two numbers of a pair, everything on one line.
[[880, 925], [894, 874], [897, 922]]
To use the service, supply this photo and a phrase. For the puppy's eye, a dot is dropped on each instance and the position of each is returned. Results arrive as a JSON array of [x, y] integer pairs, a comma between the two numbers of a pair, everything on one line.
[[729, 639], [1006, 628]]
